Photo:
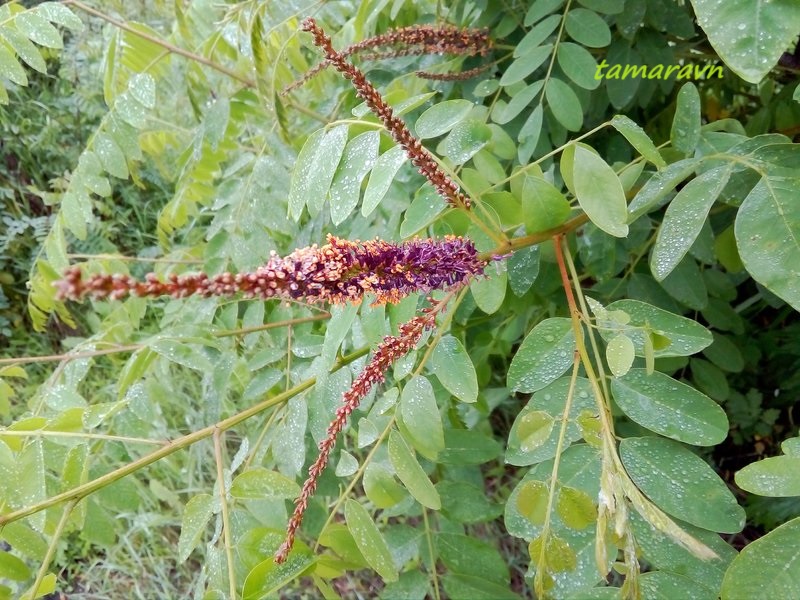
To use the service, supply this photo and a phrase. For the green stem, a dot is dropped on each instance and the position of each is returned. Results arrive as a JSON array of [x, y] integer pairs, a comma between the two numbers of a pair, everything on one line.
[[559, 37], [122, 257], [541, 568], [226, 519], [611, 460], [79, 435], [436, 593], [524, 241], [51, 548], [91, 487], [68, 356]]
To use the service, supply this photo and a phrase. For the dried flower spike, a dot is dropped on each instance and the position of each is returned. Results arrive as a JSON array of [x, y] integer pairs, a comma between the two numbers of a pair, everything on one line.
[[414, 40], [391, 349], [419, 156], [429, 39], [340, 271], [460, 76]]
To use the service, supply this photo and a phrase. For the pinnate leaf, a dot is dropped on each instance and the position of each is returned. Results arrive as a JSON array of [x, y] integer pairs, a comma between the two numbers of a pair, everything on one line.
[[768, 567], [681, 483], [442, 117], [749, 46], [599, 192], [684, 219], [768, 236], [777, 476], [453, 366], [669, 407], [369, 540], [410, 472], [196, 515], [545, 353], [420, 417]]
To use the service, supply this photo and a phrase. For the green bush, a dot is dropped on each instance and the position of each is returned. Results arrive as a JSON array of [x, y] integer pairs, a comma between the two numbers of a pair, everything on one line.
[[576, 325]]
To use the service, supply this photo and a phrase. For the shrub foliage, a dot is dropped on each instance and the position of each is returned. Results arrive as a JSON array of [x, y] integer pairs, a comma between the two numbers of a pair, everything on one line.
[[545, 374]]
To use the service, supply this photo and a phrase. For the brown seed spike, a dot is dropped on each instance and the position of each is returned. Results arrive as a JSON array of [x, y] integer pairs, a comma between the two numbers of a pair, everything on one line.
[[415, 40], [391, 349], [418, 154]]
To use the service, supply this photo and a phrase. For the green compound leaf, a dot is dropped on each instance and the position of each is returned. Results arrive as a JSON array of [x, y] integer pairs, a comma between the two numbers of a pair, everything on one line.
[[681, 483], [663, 552], [684, 219], [13, 567], [490, 291], [540, 9], [326, 161], [671, 408], [381, 177], [381, 487], [543, 206], [791, 446], [653, 194], [196, 515], [427, 204], [259, 483], [637, 138], [609, 7], [410, 472], [314, 170], [453, 366], [441, 118], [524, 445], [685, 336], [60, 15], [749, 35], [578, 64], [599, 192], [564, 104], [465, 140], [766, 568], [545, 354], [523, 269], [467, 503], [768, 236], [620, 353], [267, 577], [503, 112], [38, 29], [588, 28], [532, 501], [469, 587], [685, 133], [533, 429], [663, 585], [420, 417], [576, 509], [470, 556], [777, 476], [301, 176], [11, 69], [556, 554], [468, 447], [369, 540], [526, 64], [24, 48], [359, 156], [537, 34], [685, 283]]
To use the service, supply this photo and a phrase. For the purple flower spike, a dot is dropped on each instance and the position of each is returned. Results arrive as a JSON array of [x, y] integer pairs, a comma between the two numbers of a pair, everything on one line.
[[338, 272]]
